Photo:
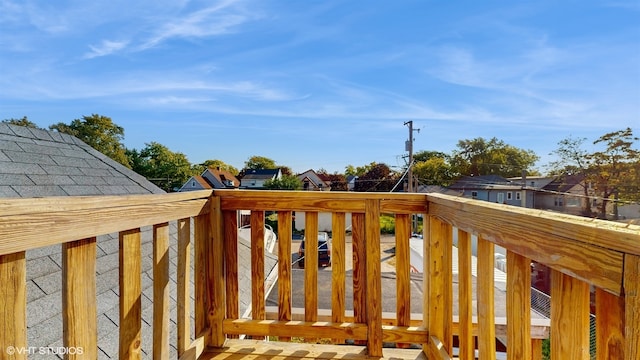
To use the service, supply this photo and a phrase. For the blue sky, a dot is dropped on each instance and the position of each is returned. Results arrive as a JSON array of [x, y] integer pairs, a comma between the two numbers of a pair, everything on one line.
[[324, 84]]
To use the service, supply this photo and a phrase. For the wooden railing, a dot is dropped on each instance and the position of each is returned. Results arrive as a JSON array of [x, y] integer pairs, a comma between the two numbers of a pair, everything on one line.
[[581, 252]]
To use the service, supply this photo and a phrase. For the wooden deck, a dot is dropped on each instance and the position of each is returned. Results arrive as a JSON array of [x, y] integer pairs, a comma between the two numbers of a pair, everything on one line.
[[255, 349], [582, 253]]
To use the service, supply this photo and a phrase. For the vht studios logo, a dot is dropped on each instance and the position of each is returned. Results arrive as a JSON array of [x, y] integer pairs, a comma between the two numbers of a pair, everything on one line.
[[43, 350]]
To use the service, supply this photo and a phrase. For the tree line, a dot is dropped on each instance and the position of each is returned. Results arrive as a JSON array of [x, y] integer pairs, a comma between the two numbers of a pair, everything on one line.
[[612, 172]]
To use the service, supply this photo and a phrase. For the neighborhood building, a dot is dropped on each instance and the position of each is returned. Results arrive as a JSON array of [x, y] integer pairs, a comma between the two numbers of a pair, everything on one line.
[[211, 179], [255, 178], [566, 194], [312, 181], [494, 188]]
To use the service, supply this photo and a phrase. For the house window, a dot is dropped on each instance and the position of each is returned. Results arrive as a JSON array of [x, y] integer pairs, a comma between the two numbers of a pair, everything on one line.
[[474, 194], [518, 196], [573, 202], [193, 184], [558, 201], [509, 195], [500, 198]]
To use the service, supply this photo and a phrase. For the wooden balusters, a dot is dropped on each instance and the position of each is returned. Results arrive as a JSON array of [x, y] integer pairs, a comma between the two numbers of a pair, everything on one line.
[[632, 306], [465, 299], [569, 317], [439, 291], [338, 269], [79, 314], [311, 267], [183, 280], [257, 267], [486, 306], [230, 218], [130, 295], [403, 275], [284, 267], [216, 272], [609, 326], [359, 269], [201, 252], [161, 291], [13, 305], [518, 306], [373, 277]]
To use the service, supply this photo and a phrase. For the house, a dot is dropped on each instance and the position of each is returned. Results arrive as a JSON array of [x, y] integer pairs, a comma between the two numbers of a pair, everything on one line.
[[196, 183], [494, 188], [564, 194], [211, 179], [533, 182], [569, 194], [312, 181], [255, 178], [38, 163]]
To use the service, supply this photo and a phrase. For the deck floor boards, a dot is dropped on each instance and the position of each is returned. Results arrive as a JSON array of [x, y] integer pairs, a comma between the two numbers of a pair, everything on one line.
[[254, 349]]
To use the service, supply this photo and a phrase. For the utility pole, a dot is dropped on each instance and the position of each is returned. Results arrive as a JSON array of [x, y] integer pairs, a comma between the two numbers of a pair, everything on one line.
[[409, 148]]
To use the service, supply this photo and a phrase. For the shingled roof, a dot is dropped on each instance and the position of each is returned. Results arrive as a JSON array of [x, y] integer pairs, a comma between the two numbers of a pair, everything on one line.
[[37, 163], [40, 163]]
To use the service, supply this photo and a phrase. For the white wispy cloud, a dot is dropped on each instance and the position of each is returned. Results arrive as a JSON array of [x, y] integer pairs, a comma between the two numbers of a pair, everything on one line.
[[221, 18], [107, 47]]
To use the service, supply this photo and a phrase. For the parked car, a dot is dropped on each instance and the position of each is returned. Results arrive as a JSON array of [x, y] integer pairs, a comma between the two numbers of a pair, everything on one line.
[[324, 250]]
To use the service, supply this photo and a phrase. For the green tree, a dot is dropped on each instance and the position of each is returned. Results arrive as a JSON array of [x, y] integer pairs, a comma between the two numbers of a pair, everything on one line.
[[572, 159], [260, 162], [338, 181], [425, 155], [433, 171], [379, 178], [285, 182], [168, 169], [614, 169], [433, 168], [351, 170], [491, 157], [214, 164], [22, 122], [99, 132]]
